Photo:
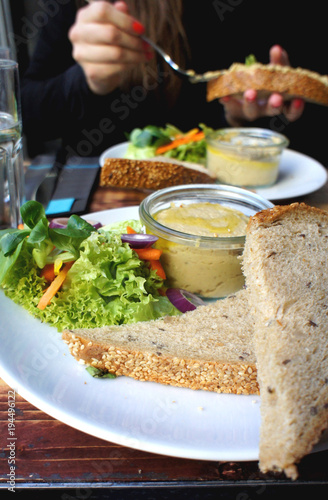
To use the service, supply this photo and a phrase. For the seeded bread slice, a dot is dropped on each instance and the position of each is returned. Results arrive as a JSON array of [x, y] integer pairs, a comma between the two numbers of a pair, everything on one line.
[[149, 174], [285, 262], [209, 348], [268, 78]]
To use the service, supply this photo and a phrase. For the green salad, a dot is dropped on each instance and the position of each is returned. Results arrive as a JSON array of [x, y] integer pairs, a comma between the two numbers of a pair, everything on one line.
[[167, 141], [106, 284]]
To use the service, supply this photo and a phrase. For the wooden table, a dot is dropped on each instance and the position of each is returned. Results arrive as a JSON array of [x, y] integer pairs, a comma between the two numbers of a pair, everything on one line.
[[50, 454]]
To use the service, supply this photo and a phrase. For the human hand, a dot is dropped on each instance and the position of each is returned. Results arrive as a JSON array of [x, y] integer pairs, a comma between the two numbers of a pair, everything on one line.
[[249, 108], [106, 42]]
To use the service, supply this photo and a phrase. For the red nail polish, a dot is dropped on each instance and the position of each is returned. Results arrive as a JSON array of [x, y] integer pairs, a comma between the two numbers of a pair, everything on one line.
[[298, 103], [250, 95], [138, 27]]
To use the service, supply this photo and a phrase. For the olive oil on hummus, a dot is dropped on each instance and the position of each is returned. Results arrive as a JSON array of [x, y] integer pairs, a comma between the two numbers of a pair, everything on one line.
[[204, 219]]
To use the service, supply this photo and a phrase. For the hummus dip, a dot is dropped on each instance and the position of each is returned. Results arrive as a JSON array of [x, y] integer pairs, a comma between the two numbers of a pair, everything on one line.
[[237, 170], [245, 157], [207, 264]]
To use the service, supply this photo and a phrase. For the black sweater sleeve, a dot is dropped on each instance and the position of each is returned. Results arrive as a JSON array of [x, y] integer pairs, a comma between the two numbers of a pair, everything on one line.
[[56, 100]]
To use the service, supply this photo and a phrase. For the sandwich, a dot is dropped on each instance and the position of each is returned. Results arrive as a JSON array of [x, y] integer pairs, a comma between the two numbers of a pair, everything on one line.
[[267, 78]]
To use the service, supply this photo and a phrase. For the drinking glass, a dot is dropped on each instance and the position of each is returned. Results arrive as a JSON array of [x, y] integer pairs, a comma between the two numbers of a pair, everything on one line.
[[11, 146], [4, 52]]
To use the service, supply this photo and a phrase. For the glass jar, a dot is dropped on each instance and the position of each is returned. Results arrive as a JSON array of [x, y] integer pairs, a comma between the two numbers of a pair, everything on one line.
[[208, 265], [248, 157]]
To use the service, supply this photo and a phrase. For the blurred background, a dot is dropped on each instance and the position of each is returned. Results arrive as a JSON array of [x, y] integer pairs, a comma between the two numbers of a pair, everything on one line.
[[247, 26]]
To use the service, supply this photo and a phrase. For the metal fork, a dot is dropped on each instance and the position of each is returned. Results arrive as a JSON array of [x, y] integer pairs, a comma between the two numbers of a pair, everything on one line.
[[190, 74]]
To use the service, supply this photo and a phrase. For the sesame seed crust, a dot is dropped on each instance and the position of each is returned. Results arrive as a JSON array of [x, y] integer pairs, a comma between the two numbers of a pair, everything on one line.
[[237, 378], [209, 348], [151, 175]]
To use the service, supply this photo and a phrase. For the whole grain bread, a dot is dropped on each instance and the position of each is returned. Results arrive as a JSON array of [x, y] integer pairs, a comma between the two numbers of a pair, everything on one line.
[[149, 174], [268, 78], [209, 348], [285, 262], [270, 337]]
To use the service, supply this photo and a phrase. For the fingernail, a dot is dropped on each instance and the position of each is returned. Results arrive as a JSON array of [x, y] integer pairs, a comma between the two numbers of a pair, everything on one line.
[[250, 98], [297, 103], [138, 27], [250, 95], [276, 101]]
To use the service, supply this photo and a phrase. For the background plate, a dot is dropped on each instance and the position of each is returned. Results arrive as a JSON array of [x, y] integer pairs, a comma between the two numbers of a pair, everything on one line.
[[298, 174]]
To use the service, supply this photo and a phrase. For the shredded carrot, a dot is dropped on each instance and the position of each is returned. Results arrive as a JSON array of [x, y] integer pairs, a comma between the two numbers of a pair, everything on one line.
[[178, 142], [130, 230], [157, 266], [20, 226], [148, 253], [48, 273], [54, 286], [191, 132]]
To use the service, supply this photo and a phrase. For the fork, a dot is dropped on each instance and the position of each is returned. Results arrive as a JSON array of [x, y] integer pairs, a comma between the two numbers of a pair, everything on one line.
[[189, 73]]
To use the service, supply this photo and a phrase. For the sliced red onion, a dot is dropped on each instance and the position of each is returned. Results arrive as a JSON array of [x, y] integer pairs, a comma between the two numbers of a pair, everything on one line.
[[61, 223], [184, 301], [139, 240], [95, 224]]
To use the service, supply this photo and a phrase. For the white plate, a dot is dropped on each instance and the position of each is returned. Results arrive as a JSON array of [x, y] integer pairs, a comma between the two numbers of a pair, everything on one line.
[[298, 174], [36, 363]]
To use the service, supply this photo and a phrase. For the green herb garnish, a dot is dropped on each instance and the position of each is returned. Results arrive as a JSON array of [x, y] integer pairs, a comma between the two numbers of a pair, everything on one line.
[[99, 373], [251, 59]]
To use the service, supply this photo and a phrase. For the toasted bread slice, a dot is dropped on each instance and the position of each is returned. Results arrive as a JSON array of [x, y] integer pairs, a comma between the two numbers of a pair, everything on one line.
[[149, 174], [268, 78]]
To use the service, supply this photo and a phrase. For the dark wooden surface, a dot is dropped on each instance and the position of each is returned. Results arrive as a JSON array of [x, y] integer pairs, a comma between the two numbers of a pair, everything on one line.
[[50, 454]]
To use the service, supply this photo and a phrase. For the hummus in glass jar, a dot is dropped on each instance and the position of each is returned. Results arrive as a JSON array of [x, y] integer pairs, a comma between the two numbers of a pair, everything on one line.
[[209, 265], [245, 157]]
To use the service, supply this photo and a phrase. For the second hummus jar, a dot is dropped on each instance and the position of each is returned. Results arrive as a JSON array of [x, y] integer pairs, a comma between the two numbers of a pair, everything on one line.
[[201, 231], [248, 157]]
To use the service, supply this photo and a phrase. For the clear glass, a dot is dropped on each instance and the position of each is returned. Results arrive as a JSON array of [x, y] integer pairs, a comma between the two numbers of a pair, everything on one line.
[[11, 147], [4, 52], [247, 157], [205, 265]]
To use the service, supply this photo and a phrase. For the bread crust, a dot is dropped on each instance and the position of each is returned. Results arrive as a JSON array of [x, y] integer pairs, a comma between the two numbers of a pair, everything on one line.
[[228, 378], [148, 175], [269, 216], [290, 82], [209, 348]]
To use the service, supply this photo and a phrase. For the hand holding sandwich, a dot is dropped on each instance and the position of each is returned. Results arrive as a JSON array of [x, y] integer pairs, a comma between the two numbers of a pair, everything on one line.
[[250, 107]]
